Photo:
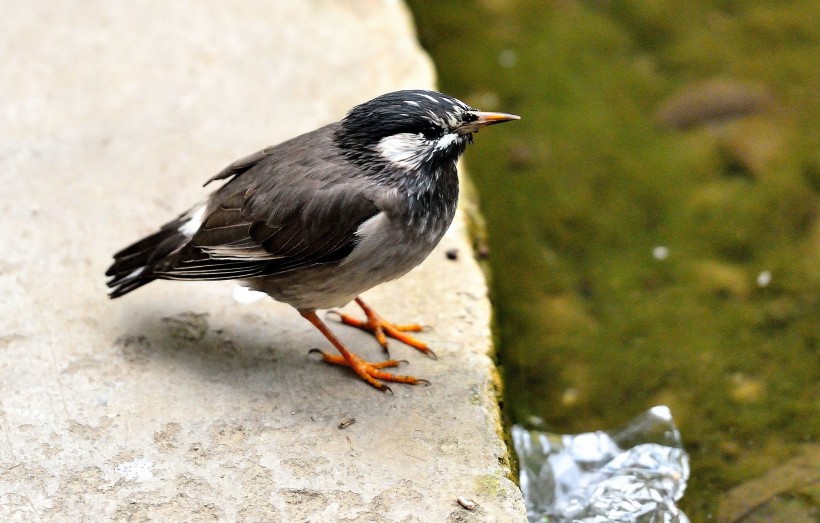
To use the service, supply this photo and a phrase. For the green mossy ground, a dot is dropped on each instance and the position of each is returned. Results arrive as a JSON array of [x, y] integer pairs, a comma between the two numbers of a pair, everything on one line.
[[593, 329]]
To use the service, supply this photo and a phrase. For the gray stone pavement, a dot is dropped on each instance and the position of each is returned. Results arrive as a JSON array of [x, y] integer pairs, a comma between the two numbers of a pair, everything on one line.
[[180, 402]]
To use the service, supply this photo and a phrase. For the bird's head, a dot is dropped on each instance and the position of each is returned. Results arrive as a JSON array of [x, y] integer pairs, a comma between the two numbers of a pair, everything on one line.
[[412, 130]]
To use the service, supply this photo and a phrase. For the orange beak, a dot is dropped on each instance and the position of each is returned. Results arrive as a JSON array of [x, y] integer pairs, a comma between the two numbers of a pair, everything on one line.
[[483, 119]]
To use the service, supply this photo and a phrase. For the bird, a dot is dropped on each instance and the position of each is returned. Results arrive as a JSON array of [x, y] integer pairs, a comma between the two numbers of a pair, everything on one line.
[[319, 219]]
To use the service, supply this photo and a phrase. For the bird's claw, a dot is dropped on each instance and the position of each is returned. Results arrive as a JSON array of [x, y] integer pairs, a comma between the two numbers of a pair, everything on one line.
[[381, 329], [370, 372]]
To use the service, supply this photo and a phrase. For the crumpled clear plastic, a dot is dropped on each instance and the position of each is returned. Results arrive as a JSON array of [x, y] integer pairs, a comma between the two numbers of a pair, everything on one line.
[[635, 474]]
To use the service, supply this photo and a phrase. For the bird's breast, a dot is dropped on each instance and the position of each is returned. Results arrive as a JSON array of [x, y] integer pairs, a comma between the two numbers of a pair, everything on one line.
[[389, 247], [429, 199]]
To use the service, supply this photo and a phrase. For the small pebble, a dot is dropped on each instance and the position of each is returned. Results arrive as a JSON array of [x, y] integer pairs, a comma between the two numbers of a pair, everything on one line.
[[452, 254], [346, 423], [469, 504]]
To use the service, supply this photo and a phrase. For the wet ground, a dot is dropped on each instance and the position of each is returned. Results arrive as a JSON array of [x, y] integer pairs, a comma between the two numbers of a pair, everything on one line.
[[653, 224]]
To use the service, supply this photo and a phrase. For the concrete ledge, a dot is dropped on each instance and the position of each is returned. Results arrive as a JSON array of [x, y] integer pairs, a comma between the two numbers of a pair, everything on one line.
[[178, 402]]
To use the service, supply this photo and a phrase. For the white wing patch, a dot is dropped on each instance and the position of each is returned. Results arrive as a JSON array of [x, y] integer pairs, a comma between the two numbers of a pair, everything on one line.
[[194, 222], [374, 235], [228, 252], [245, 250]]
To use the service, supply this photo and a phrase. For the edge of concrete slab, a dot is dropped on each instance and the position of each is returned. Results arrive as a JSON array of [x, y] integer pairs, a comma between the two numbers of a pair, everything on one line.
[[181, 400]]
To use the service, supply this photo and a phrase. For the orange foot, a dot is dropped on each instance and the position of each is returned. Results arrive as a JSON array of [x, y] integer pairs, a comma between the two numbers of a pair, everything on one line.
[[381, 329], [369, 372]]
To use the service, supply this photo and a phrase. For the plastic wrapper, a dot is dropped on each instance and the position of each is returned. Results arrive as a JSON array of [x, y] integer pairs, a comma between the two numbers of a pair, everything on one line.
[[635, 474]]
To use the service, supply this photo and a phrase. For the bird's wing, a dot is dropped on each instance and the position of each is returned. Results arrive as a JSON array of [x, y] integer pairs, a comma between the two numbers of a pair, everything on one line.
[[290, 207], [241, 165]]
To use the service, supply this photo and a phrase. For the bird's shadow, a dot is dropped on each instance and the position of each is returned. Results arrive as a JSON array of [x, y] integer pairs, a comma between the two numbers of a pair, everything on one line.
[[269, 354]]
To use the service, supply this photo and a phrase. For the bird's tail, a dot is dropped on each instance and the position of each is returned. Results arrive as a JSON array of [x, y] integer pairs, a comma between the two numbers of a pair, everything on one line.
[[134, 266]]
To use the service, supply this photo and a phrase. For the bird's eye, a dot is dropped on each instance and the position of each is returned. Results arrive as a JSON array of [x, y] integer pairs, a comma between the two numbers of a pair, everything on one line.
[[431, 132]]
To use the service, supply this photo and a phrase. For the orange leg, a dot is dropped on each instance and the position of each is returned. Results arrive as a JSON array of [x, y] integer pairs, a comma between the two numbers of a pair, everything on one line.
[[369, 372], [381, 329]]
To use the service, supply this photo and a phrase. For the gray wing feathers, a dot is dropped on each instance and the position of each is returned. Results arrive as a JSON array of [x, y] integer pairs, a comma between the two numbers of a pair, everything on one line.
[[239, 166], [285, 208]]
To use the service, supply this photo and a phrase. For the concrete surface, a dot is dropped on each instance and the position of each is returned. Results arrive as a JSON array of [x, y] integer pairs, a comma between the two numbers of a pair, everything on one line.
[[178, 402]]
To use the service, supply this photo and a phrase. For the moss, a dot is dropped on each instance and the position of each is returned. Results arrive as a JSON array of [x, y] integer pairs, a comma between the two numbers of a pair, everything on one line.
[[592, 327], [487, 485]]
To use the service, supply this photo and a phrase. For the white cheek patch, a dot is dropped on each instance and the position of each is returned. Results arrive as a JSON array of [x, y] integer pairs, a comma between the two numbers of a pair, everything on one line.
[[190, 227], [446, 141], [404, 149]]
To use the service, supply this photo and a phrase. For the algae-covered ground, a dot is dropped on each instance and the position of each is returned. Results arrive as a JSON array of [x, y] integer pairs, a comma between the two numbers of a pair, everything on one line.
[[653, 223]]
